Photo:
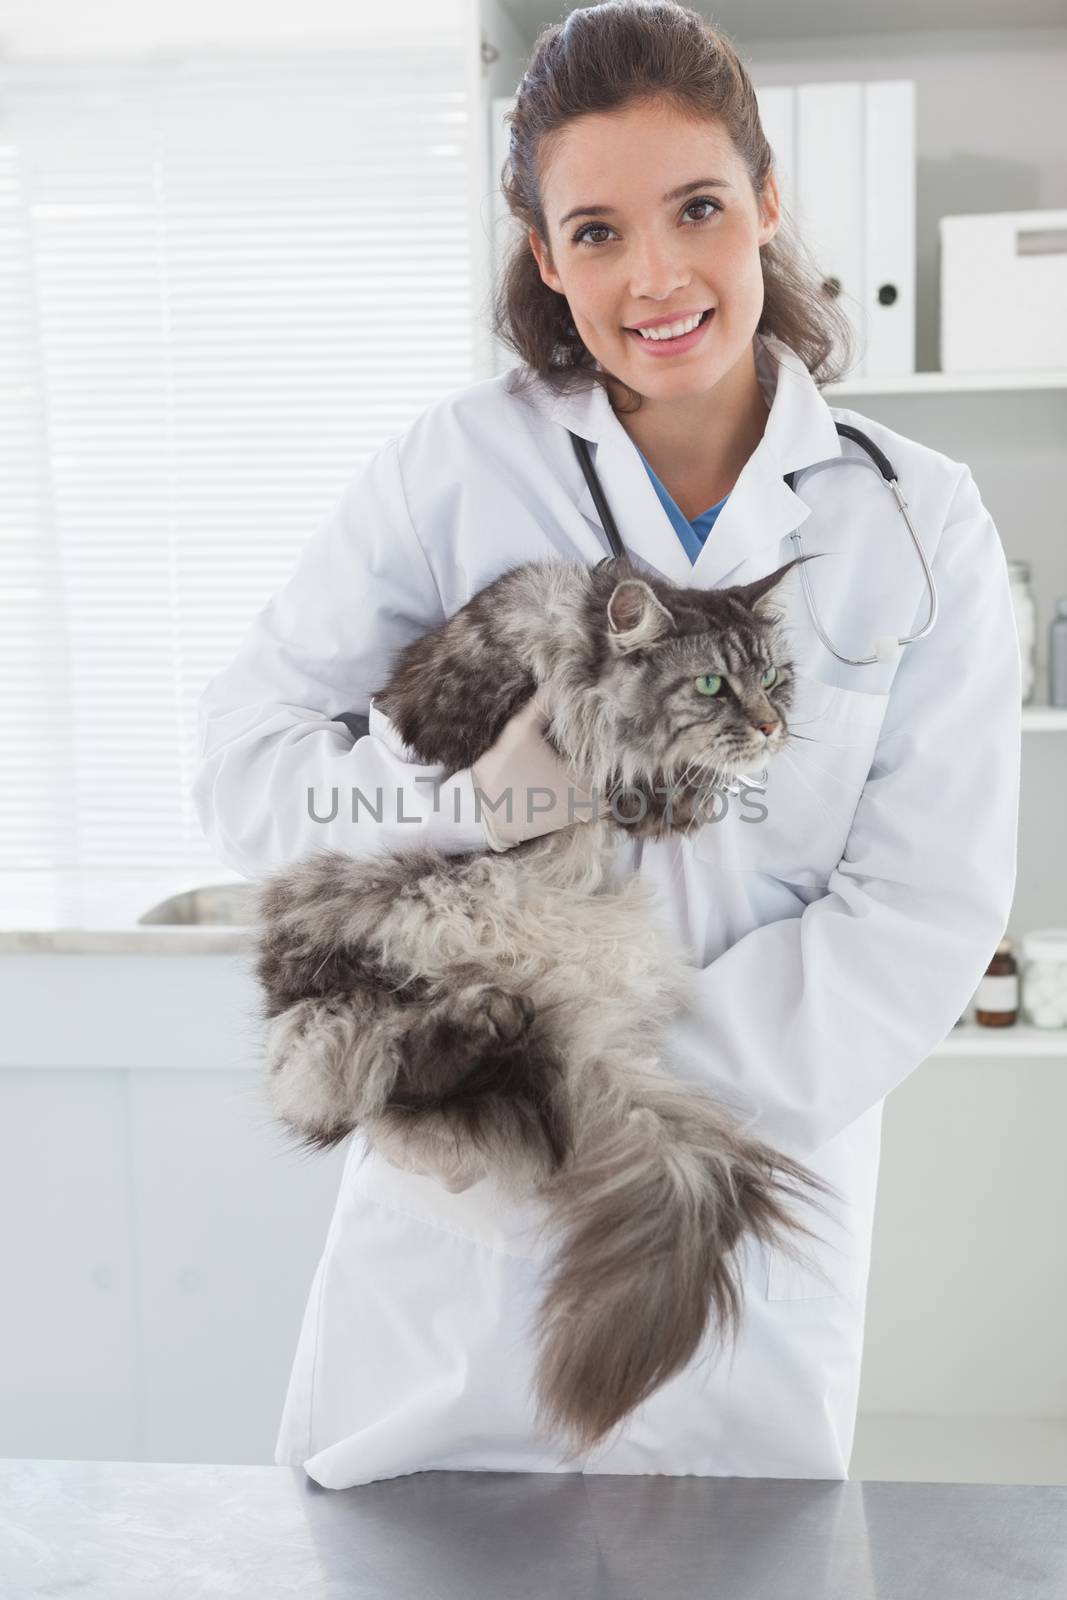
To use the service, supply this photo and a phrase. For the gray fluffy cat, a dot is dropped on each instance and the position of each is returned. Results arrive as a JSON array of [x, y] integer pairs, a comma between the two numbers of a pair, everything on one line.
[[501, 1015]]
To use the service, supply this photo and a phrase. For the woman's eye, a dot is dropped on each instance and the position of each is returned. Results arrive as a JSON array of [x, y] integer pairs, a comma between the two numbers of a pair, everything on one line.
[[602, 227], [769, 677], [710, 684], [705, 200]]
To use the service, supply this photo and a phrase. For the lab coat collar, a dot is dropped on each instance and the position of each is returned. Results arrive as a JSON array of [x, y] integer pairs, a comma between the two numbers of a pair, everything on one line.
[[760, 511]]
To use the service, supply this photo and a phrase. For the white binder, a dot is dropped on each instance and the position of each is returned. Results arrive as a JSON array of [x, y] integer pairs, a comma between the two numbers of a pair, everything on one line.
[[778, 115], [829, 206], [845, 158], [889, 227]]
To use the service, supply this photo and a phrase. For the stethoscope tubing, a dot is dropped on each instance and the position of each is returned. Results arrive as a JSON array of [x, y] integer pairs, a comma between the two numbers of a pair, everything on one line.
[[884, 467]]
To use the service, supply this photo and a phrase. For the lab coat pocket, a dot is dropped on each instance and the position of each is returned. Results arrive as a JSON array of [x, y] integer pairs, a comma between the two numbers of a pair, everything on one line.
[[797, 829], [485, 1213]]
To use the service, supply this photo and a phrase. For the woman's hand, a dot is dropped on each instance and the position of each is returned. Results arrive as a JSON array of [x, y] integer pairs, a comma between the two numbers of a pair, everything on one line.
[[409, 1153], [523, 763]]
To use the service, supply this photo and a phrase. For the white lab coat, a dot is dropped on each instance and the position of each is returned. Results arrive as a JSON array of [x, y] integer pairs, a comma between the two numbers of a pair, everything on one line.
[[837, 942]]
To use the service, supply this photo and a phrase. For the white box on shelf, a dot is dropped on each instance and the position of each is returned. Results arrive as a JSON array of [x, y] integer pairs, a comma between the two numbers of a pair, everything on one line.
[[1004, 292]]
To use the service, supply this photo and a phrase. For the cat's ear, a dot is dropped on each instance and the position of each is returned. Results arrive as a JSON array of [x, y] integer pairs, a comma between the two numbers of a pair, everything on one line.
[[636, 618], [764, 597]]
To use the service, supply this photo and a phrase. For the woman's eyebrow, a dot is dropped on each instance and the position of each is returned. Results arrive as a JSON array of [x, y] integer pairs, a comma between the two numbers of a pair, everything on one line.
[[673, 194]]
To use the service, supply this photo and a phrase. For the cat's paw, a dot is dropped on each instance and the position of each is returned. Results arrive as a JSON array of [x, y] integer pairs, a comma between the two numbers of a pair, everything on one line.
[[500, 1017]]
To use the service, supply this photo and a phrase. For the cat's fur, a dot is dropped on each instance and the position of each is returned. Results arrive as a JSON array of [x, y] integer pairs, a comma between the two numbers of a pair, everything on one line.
[[501, 1015]]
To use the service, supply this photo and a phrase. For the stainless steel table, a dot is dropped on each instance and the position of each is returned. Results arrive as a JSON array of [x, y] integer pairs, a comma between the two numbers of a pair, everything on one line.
[[115, 1530]]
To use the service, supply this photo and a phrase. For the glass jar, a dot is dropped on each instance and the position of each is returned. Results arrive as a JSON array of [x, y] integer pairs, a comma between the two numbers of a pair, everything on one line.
[[1025, 624], [1057, 655], [996, 1001], [1044, 953]]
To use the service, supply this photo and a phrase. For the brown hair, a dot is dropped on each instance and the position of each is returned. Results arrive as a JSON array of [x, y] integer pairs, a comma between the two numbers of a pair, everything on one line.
[[607, 58]]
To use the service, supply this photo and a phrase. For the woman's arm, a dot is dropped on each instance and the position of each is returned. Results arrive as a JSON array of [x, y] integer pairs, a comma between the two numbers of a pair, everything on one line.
[[270, 728], [805, 1024]]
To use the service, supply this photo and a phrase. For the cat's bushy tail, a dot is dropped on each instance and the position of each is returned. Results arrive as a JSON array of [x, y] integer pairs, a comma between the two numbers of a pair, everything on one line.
[[647, 1215]]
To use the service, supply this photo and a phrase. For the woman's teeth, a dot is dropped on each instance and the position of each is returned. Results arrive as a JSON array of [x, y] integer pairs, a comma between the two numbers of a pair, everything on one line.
[[675, 330]]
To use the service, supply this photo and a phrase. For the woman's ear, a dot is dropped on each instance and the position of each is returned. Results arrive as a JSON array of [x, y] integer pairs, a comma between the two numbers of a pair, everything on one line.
[[770, 209], [543, 257]]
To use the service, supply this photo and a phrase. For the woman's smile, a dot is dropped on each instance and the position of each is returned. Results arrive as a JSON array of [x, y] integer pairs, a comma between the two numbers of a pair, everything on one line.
[[672, 347]]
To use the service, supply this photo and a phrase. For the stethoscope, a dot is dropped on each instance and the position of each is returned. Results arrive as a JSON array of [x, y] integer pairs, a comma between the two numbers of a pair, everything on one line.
[[887, 647]]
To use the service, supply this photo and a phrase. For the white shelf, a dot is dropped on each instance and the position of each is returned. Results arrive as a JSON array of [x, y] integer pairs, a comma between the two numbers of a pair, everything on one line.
[[1045, 719], [1020, 1040], [951, 383]]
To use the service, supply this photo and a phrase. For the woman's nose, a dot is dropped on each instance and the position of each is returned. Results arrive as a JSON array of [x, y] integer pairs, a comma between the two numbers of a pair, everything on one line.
[[662, 273]]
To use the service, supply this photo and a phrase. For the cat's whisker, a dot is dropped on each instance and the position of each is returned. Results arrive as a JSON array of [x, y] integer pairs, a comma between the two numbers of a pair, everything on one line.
[[321, 964], [696, 820], [811, 787], [817, 766], [704, 764], [692, 769], [837, 744], [821, 771], [831, 744]]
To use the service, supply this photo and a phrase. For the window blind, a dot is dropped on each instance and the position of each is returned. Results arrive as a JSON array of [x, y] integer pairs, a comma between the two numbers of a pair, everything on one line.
[[225, 280]]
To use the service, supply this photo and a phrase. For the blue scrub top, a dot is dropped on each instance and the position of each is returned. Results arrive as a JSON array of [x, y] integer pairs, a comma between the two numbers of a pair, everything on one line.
[[692, 534]]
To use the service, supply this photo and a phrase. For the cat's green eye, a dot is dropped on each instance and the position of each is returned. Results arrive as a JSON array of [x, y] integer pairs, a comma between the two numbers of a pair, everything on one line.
[[769, 677], [709, 684]]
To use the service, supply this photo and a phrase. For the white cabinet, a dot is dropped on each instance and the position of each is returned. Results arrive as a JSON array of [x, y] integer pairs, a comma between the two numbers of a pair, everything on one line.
[[159, 1232], [69, 1343]]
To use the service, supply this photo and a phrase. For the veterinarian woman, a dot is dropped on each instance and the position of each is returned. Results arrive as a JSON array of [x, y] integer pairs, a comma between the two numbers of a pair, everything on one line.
[[838, 941]]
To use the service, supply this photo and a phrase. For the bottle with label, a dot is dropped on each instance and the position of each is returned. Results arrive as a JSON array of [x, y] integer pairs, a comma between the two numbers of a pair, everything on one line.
[[996, 1004], [1057, 655], [1025, 623]]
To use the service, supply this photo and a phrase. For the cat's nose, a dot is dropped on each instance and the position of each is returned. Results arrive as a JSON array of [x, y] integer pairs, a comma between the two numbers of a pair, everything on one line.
[[767, 728]]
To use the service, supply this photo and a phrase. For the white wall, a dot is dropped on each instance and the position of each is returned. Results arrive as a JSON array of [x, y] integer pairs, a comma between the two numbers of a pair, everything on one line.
[[125, 27]]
